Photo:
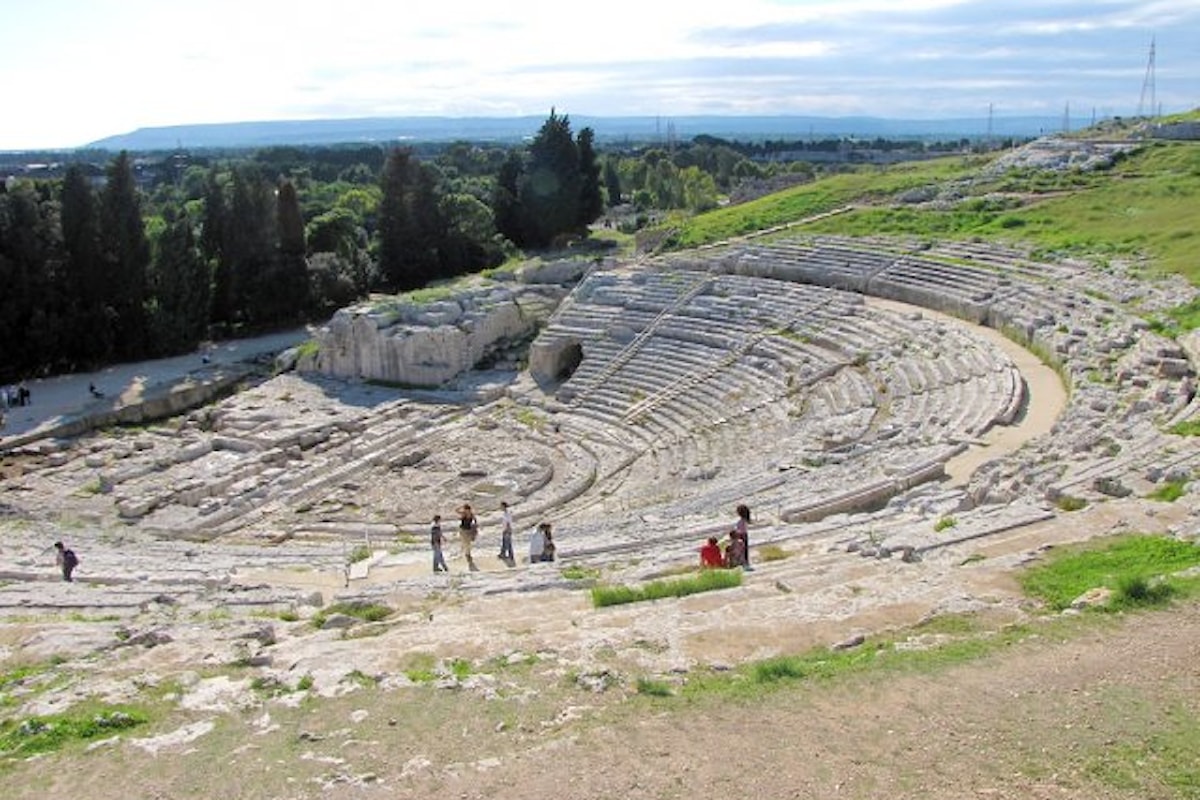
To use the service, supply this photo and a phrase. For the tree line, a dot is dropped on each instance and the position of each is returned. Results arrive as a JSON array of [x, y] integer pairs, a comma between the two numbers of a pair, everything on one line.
[[146, 259]]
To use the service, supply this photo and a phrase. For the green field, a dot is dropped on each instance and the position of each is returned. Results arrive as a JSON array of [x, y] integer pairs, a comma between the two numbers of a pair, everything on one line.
[[1143, 207]]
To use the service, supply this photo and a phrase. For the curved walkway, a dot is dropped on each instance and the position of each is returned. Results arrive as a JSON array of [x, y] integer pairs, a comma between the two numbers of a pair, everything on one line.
[[63, 399], [1045, 392]]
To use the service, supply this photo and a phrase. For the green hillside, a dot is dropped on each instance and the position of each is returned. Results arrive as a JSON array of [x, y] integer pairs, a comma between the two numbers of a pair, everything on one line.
[[1146, 205]]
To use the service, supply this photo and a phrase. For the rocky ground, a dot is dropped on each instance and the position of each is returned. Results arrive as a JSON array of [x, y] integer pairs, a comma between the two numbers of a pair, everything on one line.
[[215, 543]]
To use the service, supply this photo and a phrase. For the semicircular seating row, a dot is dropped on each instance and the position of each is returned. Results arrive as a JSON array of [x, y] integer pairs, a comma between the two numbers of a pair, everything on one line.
[[673, 352]]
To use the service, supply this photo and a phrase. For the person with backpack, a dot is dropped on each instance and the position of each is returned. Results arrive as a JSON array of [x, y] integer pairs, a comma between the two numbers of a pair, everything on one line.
[[468, 532], [66, 559]]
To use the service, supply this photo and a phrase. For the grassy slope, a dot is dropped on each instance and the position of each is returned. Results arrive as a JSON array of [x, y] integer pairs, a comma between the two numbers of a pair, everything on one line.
[[1145, 206]]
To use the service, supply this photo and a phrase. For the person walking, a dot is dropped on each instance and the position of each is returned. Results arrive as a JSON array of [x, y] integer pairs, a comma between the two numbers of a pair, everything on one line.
[[506, 533], [435, 541], [468, 531], [66, 559]]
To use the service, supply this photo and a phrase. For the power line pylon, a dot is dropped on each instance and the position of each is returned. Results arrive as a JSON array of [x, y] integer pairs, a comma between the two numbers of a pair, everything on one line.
[[1148, 89]]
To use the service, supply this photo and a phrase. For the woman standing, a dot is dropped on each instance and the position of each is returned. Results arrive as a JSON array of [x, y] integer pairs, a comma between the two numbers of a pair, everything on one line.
[[741, 535]]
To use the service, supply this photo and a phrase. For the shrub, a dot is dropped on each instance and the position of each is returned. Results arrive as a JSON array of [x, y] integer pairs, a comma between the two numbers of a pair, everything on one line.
[[1134, 591]]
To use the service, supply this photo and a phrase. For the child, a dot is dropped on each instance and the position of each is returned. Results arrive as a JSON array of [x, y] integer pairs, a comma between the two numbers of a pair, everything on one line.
[[710, 554]]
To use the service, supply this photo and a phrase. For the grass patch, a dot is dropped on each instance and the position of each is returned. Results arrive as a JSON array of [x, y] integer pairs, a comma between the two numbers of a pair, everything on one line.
[[770, 552], [653, 688], [309, 348], [529, 418], [1164, 758], [359, 553], [1123, 562], [45, 734], [368, 612], [706, 581], [576, 572], [960, 642], [1168, 492], [1068, 502], [944, 523], [1189, 427]]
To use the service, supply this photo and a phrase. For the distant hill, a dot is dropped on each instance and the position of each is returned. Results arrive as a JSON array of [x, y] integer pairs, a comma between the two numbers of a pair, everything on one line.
[[509, 129]]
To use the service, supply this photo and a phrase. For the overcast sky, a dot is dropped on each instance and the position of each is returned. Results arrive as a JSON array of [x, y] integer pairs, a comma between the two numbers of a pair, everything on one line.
[[73, 71]]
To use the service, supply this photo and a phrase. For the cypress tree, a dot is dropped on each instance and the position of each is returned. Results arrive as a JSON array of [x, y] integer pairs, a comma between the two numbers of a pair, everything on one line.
[[612, 182], [591, 199], [550, 188], [291, 273], [126, 254], [249, 247], [506, 207], [214, 231], [181, 290], [397, 226], [86, 279]]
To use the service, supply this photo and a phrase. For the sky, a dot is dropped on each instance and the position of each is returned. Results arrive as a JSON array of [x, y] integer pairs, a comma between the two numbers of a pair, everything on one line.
[[74, 71]]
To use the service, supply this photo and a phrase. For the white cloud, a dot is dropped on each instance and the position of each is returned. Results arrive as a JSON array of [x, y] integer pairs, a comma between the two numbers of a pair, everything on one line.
[[78, 70]]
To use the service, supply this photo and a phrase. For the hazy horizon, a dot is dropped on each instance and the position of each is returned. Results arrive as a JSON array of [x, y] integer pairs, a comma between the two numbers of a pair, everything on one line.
[[77, 72]]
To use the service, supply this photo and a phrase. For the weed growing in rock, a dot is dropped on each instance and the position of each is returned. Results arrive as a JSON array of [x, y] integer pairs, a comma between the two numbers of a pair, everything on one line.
[[359, 553], [575, 572], [1189, 427], [944, 524], [1169, 492], [368, 612], [1068, 502], [771, 552]]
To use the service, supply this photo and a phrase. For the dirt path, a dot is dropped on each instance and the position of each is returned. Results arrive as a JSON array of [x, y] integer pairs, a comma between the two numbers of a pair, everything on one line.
[[1042, 720]]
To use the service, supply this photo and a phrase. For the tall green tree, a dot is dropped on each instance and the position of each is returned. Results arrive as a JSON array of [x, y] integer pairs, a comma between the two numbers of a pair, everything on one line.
[[506, 204], [214, 231], [397, 225], [612, 181], [289, 295], [550, 188], [126, 254], [591, 198], [32, 317], [249, 246], [411, 227], [180, 290], [86, 273]]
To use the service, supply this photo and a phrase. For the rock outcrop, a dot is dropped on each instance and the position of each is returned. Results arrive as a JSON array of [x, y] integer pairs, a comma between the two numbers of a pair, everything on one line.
[[396, 340]]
